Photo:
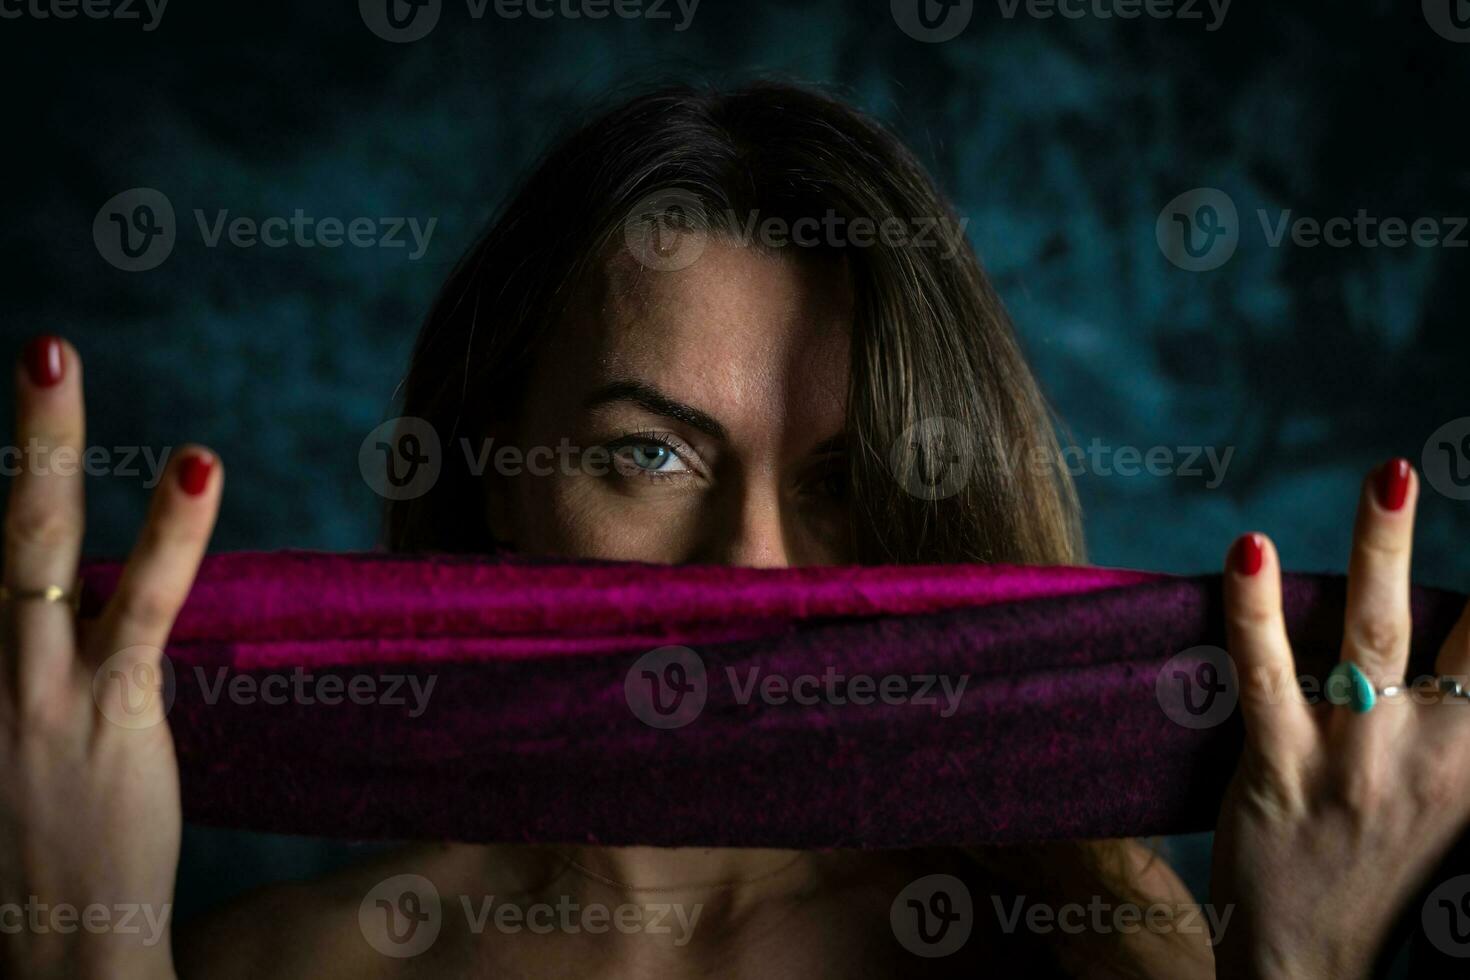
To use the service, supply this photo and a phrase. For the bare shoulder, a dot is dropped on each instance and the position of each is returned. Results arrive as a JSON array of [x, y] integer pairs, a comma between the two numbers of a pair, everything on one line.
[[287, 929], [1174, 941], [314, 928], [1154, 876]]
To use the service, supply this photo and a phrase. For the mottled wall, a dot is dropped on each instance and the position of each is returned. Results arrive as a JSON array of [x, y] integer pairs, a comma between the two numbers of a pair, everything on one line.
[[1060, 139]]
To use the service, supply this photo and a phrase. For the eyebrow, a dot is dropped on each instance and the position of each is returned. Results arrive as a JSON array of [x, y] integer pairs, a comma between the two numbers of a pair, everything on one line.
[[651, 399]]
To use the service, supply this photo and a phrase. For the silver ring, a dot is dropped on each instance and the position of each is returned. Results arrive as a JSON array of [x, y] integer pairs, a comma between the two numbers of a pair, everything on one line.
[[1450, 687]]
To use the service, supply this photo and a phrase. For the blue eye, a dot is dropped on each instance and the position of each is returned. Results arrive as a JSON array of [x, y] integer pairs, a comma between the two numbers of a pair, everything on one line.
[[649, 457], [646, 455]]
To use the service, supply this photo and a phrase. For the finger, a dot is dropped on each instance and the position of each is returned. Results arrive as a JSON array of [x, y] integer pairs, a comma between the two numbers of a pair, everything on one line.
[[1377, 623], [1278, 724], [45, 514], [155, 581]]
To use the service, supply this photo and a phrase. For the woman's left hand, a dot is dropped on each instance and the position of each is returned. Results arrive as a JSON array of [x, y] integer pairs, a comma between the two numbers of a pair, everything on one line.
[[1336, 818]]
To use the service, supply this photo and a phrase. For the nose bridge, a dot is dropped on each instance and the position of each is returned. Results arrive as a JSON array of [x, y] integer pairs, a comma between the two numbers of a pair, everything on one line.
[[755, 531]]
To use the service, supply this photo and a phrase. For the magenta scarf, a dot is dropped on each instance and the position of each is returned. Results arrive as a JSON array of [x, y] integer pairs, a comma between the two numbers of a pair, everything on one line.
[[497, 699]]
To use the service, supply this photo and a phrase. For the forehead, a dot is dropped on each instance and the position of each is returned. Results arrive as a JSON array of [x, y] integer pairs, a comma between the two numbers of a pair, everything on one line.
[[745, 335]]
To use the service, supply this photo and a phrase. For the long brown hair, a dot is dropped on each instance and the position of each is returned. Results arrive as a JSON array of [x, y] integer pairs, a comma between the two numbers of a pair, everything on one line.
[[935, 364]]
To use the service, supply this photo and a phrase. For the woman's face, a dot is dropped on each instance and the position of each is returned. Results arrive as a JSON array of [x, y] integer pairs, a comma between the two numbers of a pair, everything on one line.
[[695, 415]]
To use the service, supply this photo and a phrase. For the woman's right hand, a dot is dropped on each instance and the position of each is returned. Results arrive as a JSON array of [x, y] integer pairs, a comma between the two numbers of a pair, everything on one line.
[[89, 787]]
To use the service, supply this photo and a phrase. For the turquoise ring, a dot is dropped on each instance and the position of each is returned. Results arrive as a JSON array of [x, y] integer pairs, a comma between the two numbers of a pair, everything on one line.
[[1348, 685]]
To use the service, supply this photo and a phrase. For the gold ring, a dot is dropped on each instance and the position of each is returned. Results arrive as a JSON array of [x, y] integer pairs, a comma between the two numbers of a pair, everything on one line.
[[49, 593]]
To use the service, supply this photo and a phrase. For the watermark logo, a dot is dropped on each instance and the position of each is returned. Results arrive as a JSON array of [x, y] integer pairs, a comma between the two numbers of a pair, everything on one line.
[[1198, 688], [933, 458], [670, 230], [401, 916], [667, 688], [400, 21], [933, 916], [1446, 460], [401, 458], [135, 230], [932, 21], [1198, 230], [135, 687], [667, 231], [1446, 917], [1450, 19]]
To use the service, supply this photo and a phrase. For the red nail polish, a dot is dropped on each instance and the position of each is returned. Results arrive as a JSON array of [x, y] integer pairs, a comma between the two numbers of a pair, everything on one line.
[[194, 473], [1393, 484], [43, 358], [1250, 554]]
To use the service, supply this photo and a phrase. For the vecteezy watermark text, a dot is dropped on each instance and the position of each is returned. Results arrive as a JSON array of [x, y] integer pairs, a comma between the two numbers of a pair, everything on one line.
[[1211, 12], [403, 915], [936, 21], [40, 460], [136, 687], [669, 687], [1102, 459], [670, 229], [300, 686], [1103, 917], [834, 687], [405, 21], [137, 230], [568, 916], [1201, 229], [306, 231], [1200, 688], [122, 918], [934, 916], [935, 458], [149, 12]]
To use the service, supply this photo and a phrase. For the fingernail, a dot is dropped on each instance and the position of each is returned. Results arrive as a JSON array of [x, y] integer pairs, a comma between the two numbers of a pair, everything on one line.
[[194, 473], [44, 361], [1250, 554], [1393, 484]]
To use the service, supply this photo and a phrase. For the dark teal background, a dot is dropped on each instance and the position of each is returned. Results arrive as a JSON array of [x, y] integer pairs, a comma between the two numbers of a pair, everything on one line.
[[1060, 140]]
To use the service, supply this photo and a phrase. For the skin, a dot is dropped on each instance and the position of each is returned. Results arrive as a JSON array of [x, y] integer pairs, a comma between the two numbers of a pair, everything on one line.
[[1326, 808]]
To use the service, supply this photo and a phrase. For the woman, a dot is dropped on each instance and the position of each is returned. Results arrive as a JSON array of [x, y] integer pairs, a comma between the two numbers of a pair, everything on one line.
[[754, 303]]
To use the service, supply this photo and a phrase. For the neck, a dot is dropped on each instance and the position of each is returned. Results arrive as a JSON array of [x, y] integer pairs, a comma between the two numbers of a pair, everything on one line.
[[724, 877]]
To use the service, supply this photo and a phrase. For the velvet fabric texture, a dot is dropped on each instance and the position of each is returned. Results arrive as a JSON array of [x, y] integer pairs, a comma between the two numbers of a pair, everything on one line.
[[370, 696]]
